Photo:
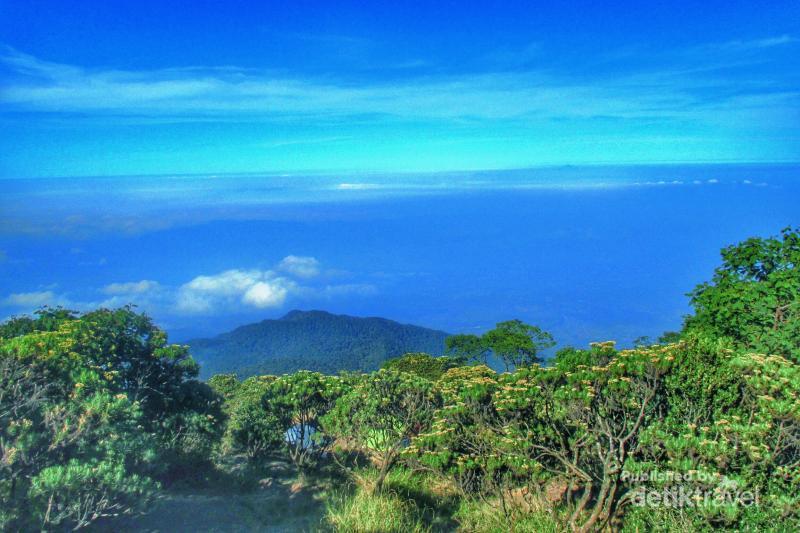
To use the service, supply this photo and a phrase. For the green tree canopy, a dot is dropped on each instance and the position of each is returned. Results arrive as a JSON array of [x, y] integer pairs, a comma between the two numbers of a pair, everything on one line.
[[92, 408], [754, 296], [517, 344], [466, 348], [382, 413], [422, 364]]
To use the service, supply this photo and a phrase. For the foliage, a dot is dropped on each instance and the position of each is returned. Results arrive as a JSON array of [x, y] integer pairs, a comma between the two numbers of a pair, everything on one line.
[[720, 429], [80, 493], [299, 401], [96, 409], [570, 359], [754, 296], [190, 435], [422, 364], [47, 319], [88, 406], [466, 348], [251, 428], [225, 385], [381, 414], [460, 439], [535, 425], [514, 342], [517, 344]]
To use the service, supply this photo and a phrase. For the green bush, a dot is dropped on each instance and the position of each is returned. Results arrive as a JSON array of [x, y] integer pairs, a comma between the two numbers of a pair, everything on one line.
[[91, 407], [421, 364], [382, 414], [79, 493]]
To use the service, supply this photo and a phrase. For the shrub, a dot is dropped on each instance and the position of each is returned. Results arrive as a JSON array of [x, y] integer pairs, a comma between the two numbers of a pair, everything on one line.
[[421, 364], [251, 429], [382, 414], [90, 405], [299, 401], [78, 493]]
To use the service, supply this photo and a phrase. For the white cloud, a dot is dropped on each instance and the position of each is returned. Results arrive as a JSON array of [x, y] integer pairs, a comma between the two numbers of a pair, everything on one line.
[[227, 291], [192, 302], [233, 288], [300, 266], [31, 299], [266, 294], [228, 283], [131, 287], [204, 93], [236, 288]]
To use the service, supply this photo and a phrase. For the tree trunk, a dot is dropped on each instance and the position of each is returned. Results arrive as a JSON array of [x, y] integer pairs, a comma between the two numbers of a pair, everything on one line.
[[587, 493], [598, 507], [384, 471]]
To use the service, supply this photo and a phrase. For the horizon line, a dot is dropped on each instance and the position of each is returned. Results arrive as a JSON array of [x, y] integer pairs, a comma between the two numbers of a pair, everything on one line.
[[370, 172]]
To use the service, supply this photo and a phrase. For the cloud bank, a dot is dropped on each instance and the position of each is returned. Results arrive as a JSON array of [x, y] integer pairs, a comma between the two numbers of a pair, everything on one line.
[[235, 290]]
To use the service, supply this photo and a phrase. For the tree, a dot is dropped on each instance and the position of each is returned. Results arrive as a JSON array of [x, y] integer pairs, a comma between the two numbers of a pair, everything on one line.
[[190, 432], [299, 401], [466, 348], [59, 423], [733, 420], [224, 384], [669, 337], [570, 359], [79, 493], [422, 364], [136, 357], [91, 408], [754, 296], [582, 426], [252, 429], [47, 319], [516, 343], [23, 396], [382, 414], [461, 438]]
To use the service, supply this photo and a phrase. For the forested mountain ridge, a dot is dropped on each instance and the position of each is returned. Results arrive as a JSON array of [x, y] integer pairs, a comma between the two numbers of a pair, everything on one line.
[[312, 340]]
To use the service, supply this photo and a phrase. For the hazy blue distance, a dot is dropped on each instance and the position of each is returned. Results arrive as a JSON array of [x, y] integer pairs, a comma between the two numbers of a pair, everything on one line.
[[591, 253]]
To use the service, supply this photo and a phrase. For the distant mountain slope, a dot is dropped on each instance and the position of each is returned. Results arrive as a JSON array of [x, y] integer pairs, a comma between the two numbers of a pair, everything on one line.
[[312, 340]]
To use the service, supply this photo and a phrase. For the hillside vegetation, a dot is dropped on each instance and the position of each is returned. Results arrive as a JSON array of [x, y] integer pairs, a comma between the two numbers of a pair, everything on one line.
[[100, 416], [312, 340]]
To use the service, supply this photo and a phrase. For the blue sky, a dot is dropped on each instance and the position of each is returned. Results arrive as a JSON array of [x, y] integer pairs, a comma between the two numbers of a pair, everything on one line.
[[99, 88]]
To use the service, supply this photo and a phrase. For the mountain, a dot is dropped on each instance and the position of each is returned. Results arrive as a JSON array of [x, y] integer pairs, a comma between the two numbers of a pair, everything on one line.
[[312, 340]]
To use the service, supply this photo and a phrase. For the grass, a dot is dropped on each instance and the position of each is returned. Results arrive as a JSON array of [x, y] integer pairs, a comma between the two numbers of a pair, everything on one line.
[[410, 502], [421, 502], [488, 517], [366, 513], [271, 496]]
